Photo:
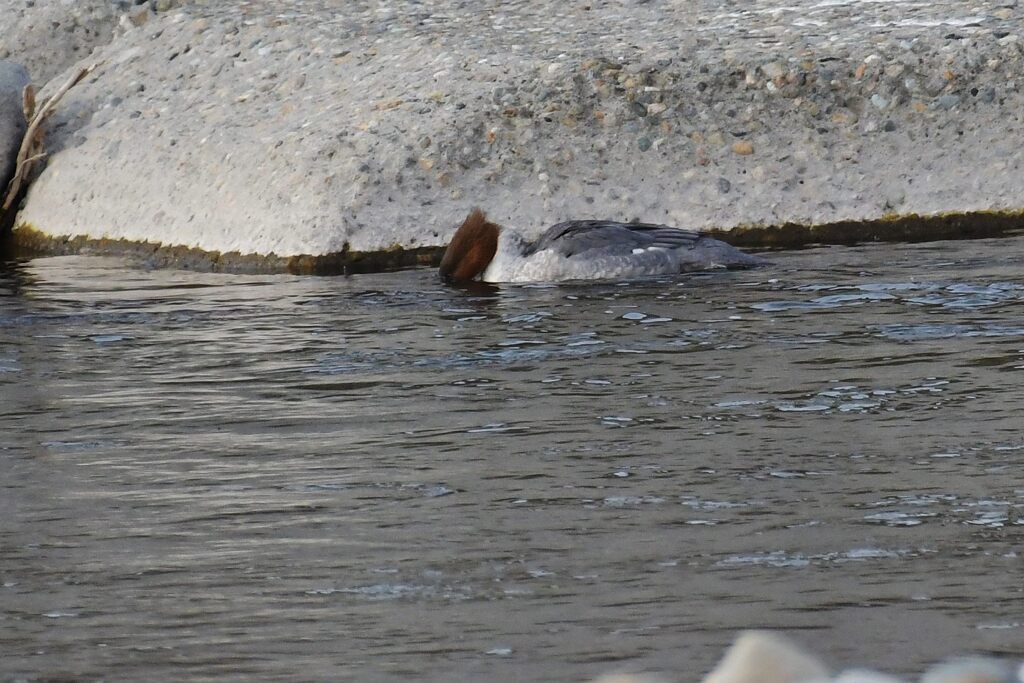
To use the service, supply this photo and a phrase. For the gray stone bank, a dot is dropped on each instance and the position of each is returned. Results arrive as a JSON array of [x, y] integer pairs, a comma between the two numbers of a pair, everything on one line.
[[48, 36], [317, 127]]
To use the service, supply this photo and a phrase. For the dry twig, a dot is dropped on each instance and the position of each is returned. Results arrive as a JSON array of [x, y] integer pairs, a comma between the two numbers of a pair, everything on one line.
[[31, 150]]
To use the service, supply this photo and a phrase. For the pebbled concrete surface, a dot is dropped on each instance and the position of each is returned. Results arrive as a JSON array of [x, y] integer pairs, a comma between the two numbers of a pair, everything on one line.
[[48, 36], [315, 126]]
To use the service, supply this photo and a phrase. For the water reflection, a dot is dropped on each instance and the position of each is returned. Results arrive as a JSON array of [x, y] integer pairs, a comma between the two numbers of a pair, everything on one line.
[[383, 478]]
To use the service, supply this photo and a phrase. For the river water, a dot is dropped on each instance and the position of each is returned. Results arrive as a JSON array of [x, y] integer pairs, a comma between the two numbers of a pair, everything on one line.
[[380, 478]]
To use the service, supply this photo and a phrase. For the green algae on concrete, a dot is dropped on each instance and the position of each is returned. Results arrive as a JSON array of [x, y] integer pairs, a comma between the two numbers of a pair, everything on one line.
[[893, 228], [27, 241]]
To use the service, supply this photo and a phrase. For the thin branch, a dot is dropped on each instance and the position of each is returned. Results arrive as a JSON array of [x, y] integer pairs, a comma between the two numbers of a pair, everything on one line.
[[28, 101], [32, 143]]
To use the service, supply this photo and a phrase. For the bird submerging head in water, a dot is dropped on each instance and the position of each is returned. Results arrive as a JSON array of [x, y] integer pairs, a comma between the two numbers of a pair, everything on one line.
[[582, 250]]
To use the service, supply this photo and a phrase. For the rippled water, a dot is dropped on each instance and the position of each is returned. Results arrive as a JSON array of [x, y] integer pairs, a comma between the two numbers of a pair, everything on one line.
[[379, 478]]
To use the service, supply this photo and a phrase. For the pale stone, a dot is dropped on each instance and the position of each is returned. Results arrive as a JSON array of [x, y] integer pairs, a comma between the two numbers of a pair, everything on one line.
[[629, 678], [971, 670], [766, 657], [865, 676]]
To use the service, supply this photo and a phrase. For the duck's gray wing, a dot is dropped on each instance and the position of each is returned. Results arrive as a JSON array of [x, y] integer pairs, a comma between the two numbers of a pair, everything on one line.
[[576, 237]]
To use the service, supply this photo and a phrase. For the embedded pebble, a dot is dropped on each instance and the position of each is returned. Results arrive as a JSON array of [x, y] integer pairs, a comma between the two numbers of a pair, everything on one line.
[[743, 147]]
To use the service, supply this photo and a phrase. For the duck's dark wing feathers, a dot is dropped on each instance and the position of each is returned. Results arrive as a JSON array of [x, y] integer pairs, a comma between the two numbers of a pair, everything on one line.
[[575, 237]]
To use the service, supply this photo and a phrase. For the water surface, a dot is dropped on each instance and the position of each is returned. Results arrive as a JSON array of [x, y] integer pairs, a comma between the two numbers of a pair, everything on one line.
[[379, 478]]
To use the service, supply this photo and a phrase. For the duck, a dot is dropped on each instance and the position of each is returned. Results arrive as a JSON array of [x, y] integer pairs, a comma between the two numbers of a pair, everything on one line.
[[582, 250]]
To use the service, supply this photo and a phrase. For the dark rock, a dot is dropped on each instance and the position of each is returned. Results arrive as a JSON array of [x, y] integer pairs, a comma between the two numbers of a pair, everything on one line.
[[13, 79]]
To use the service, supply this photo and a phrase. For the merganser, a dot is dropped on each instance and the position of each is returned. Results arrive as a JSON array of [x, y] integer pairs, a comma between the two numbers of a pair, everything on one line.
[[582, 250]]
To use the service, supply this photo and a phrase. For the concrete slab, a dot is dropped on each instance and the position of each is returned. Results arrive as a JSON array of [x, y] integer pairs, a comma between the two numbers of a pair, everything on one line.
[[319, 126]]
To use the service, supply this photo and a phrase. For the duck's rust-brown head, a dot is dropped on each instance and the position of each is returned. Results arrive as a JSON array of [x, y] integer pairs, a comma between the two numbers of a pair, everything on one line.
[[471, 249]]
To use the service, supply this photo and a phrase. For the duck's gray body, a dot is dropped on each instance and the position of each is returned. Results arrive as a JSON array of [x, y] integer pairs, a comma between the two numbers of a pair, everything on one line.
[[577, 238], [583, 250]]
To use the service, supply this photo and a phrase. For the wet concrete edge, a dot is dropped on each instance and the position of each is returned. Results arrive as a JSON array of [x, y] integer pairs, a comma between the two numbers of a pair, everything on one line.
[[27, 242]]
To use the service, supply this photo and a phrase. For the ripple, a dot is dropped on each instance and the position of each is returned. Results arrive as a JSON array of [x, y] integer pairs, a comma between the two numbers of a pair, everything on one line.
[[398, 591], [380, 465]]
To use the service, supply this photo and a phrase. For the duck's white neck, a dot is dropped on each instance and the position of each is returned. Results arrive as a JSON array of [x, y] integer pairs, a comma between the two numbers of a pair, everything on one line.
[[508, 259]]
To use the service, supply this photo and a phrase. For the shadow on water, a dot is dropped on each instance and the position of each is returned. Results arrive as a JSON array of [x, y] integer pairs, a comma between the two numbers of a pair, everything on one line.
[[15, 276], [6, 241], [382, 478]]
